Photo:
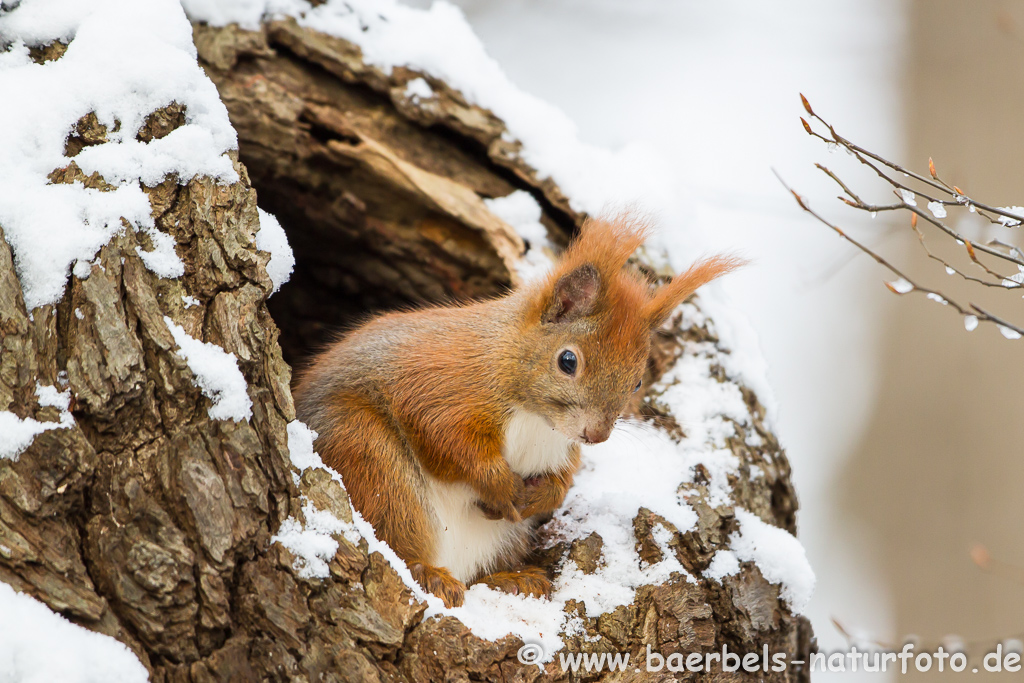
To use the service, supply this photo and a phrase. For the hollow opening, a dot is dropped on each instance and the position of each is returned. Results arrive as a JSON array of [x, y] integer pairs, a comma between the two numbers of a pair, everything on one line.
[[350, 265], [361, 192]]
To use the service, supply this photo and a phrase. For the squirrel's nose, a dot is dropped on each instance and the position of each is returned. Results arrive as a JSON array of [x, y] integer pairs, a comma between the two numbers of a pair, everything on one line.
[[596, 435]]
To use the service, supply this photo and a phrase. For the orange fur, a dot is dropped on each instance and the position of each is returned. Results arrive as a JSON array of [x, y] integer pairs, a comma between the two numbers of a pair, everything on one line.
[[523, 581], [670, 295], [415, 400]]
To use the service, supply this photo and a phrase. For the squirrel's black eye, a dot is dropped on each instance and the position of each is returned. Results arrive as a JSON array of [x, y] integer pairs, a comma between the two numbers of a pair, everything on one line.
[[638, 385], [567, 362]]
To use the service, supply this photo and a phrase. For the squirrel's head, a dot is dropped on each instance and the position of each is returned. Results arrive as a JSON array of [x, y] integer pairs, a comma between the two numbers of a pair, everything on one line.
[[588, 324]]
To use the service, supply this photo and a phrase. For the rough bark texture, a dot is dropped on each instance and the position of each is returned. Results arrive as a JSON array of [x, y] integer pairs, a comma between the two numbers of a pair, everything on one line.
[[151, 522]]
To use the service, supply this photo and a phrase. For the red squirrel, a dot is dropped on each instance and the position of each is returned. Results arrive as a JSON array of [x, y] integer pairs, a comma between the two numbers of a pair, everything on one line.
[[453, 426]]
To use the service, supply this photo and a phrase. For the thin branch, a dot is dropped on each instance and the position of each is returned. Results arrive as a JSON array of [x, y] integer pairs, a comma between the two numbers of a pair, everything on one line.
[[968, 310], [958, 199], [857, 203], [935, 182]]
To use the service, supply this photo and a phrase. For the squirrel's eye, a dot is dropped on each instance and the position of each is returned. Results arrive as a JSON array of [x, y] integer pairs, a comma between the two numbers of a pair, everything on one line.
[[638, 385], [567, 362]]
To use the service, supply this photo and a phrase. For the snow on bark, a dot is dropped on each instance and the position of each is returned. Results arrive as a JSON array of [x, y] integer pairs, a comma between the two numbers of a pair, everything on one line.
[[151, 516]]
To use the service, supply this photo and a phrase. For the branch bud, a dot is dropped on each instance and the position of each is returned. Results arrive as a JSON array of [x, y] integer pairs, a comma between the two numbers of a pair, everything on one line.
[[807, 105], [799, 200], [981, 556], [970, 250]]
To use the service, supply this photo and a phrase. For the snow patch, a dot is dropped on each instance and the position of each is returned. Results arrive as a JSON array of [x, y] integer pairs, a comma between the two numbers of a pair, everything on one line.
[[162, 260], [522, 212], [52, 226], [17, 434], [1017, 211], [272, 239], [901, 286], [723, 564], [778, 555], [39, 646], [216, 373], [313, 544], [1008, 332], [418, 89]]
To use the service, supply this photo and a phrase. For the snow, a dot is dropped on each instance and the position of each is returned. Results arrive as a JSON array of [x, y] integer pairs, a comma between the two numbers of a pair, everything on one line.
[[723, 564], [313, 544], [38, 646], [419, 89], [271, 238], [1012, 222], [613, 483], [901, 286], [162, 260], [970, 323], [300, 448], [522, 212], [778, 555], [216, 373], [1009, 333], [50, 227], [17, 434], [50, 397], [909, 198], [937, 209]]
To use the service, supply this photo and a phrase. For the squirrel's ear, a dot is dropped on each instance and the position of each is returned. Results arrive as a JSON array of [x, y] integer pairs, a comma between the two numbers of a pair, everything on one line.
[[575, 295], [668, 296]]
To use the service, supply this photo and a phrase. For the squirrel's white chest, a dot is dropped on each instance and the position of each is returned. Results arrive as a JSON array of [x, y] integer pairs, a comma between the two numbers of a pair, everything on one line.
[[532, 446], [466, 542]]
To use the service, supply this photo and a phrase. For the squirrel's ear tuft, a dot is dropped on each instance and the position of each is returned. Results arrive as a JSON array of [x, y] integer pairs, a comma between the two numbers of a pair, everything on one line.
[[669, 296], [575, 295]]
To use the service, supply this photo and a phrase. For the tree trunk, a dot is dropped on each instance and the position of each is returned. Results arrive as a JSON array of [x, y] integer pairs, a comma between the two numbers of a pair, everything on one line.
[[151, 522]]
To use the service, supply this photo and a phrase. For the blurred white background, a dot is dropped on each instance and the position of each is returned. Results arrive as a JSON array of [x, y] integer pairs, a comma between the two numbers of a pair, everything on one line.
[[903, 430]]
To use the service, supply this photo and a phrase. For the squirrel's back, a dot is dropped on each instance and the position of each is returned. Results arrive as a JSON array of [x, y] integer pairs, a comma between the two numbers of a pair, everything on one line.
[[449, 349]]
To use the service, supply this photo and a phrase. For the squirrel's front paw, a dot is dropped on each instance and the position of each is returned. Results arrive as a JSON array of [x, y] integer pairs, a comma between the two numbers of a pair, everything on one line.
[[504, 496], [543, 494], [440, 582]]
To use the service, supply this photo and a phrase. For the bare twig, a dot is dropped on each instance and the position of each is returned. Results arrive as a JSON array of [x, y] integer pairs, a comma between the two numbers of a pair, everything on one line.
[[911, 286], [939, 195]]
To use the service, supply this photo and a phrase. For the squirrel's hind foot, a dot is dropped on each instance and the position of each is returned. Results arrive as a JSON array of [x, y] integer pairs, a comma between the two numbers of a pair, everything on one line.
[[523, 581], [440, 582]]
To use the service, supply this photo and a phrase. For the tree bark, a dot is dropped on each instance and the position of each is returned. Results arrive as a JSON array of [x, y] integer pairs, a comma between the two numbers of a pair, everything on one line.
[[151, 522]]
